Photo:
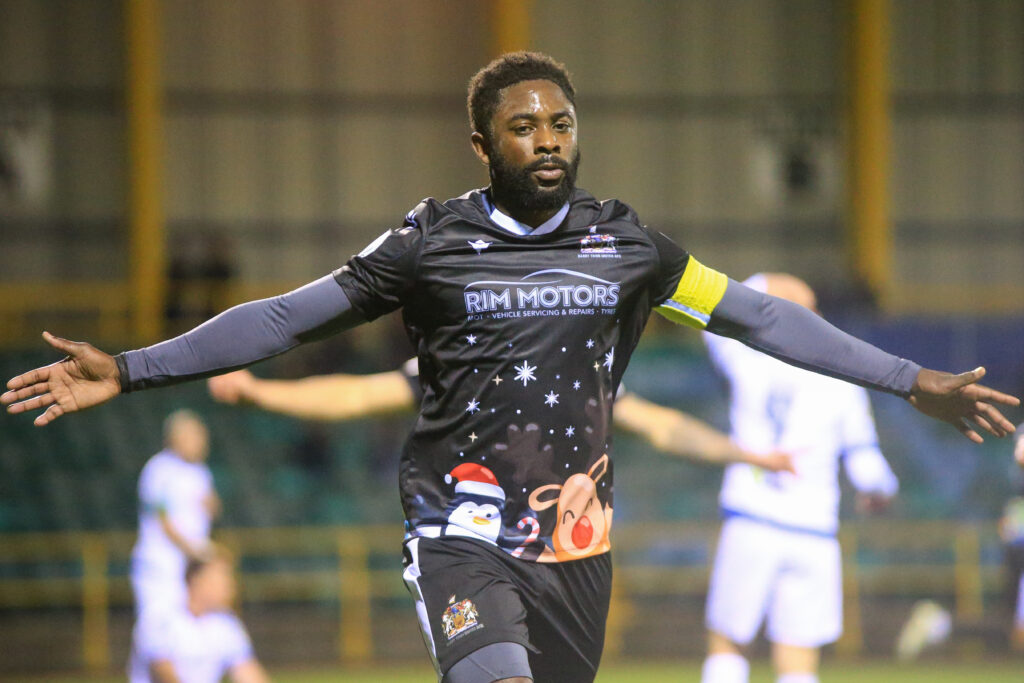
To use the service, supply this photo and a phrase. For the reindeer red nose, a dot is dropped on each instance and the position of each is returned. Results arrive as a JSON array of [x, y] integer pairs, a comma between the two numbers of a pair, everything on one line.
[[582, 533]]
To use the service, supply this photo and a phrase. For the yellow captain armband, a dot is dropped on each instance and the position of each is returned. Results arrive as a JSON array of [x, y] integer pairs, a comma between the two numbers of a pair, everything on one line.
[[698, 292]]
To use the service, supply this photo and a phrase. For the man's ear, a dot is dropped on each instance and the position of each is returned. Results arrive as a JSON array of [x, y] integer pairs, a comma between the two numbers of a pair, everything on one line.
[[481, 148]]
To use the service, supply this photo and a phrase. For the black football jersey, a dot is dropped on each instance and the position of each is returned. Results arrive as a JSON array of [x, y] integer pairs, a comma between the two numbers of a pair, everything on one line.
[[522, 341]]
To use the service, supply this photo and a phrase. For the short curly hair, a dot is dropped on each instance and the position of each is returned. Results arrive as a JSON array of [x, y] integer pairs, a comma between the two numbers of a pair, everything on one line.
[[487, 84]]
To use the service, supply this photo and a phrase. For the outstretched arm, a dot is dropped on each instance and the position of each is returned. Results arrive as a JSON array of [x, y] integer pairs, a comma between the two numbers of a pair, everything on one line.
[[238, 337], [328, 397], [677, 433], [190, 551], [706, 299], [794, 334]]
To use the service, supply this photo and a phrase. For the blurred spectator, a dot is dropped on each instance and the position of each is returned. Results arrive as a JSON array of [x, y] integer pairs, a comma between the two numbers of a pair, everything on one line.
[[199, 279]]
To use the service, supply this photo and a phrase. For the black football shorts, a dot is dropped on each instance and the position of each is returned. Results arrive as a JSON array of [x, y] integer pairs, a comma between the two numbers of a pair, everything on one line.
[[470, 594]]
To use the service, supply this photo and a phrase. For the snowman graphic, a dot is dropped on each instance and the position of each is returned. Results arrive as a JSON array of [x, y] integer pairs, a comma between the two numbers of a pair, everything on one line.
[[475, 509]]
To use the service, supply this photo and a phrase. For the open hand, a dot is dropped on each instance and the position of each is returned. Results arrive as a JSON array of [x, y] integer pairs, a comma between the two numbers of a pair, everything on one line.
[[962, 402], [86, 378]]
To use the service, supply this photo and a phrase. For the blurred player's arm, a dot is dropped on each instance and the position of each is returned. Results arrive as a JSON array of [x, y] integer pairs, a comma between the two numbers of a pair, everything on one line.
[[180, 542], [162, 671], [326, 397], [213, 505], [155, 498], [679, 434], [871, 477], [866, 468], [249, 671], [706, 299]]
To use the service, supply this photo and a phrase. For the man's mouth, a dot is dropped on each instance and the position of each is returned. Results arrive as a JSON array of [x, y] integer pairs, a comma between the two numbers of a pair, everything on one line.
[[549, 171], [549, 174]]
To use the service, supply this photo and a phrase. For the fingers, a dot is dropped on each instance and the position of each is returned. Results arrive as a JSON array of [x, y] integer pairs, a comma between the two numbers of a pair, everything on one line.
[[31, 404], [989, 394], [986, 425], [967, 431], [995, 418], [61, 344], [30, 377], [965, 378], [26, 392], [51, 414]]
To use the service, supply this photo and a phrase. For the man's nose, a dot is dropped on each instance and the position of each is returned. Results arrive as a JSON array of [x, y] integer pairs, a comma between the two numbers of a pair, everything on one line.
[[546, 142]]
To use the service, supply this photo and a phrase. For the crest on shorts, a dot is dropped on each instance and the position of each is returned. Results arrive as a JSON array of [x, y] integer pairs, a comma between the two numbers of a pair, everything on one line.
[[460, 617]]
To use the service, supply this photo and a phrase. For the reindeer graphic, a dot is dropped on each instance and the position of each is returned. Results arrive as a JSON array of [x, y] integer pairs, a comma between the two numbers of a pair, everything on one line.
[[581, 526], [582, 523]]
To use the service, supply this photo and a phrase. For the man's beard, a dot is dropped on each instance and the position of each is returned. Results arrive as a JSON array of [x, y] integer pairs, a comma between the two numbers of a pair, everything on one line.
[[516, 189]]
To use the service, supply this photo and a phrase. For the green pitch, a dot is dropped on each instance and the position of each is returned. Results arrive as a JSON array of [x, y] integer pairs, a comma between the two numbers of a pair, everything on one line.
[[690, 671], [621, 672]]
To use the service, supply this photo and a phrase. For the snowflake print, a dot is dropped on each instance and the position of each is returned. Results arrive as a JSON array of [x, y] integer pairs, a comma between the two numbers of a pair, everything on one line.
[[471, 339], [551, 398], [525, 372], [609, 358], [473, 406]]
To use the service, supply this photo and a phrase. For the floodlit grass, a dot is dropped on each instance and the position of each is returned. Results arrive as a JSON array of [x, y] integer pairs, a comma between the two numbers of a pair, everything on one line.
[[623, 672]]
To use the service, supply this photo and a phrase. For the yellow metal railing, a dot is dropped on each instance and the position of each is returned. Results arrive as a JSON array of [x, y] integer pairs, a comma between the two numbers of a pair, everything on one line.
[[101, 311], [355, 583]]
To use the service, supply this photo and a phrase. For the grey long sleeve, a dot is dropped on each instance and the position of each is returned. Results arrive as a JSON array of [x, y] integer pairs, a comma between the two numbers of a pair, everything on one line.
[[241, 336], [793, 334]]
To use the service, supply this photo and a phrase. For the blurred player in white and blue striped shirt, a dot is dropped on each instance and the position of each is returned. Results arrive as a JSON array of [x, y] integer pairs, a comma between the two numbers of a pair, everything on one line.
[[778, 559]]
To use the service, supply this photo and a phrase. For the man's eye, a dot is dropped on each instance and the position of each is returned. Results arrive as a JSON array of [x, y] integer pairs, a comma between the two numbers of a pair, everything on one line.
[[522, 130]]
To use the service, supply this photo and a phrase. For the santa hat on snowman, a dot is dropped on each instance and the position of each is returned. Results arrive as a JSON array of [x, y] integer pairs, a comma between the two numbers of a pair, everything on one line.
[[475, 480]]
